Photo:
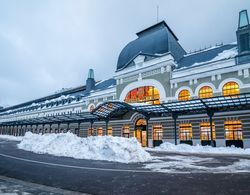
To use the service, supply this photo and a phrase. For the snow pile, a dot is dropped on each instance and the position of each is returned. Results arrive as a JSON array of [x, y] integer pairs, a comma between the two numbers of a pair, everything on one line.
[[11, 137], [107, 148], [184, 148]]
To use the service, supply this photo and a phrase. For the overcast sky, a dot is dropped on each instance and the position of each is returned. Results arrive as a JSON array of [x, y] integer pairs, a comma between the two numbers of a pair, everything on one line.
[[49, 45]]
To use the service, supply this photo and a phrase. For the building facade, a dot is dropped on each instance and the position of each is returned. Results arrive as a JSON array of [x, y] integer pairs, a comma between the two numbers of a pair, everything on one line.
[[153, 69]]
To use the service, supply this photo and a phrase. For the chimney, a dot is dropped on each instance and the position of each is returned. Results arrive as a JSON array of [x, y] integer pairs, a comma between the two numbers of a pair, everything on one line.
[[90, 82], [243, 38]]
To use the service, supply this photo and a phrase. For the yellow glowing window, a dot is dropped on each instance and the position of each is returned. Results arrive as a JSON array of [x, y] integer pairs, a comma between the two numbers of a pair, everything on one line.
[[146, 94], [206, 92], [205, 131], [157, 132], [185, 131], [233, 130], [231, 88], [184, 95], [125, 131], [90, 131], [110, 130], [99, 131]]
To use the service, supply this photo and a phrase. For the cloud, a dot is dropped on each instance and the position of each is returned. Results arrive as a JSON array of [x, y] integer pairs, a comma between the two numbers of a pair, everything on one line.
[[47, 45]]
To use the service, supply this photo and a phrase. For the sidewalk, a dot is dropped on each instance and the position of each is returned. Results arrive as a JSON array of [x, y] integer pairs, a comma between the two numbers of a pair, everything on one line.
[[10, 186]]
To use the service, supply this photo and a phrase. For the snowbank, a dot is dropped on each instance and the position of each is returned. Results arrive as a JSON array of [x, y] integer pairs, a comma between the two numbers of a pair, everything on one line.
[[184, 148], [107, 148], [11, 137]]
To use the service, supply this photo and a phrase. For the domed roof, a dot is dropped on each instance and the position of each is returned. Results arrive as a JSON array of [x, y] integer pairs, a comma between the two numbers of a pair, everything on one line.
[[151, 41]]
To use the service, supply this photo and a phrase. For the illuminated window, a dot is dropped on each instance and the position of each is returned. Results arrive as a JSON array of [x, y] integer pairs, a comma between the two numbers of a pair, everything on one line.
[[141, 122], [90, 131], [230, 88], [146, 94], [125, 131], [205, 131], [184, 95], [233, 130], [185, 131], [205, 92], [99, 131], [110, 130], [157, 132]]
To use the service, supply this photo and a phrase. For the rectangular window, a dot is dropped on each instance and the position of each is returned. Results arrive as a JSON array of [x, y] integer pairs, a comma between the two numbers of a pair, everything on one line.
[[90, 131], [125, 131], [99, 131], [157, 132], [110, 130], [185, 131], [244, 42], [205, 131], [233, 130]]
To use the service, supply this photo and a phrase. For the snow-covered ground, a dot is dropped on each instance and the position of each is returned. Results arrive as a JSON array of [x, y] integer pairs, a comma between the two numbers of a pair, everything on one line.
[[196, 164], [184, 148], [11, 137], [107, 148]]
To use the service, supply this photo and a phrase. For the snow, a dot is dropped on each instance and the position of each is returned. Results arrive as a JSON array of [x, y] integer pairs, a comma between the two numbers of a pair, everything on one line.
[[108, 148], [194, 164], [184, 148], [11, 137], [226, 54]]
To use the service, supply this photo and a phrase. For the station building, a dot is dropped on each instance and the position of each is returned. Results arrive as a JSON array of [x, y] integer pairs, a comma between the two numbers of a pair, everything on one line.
[[153, 69]]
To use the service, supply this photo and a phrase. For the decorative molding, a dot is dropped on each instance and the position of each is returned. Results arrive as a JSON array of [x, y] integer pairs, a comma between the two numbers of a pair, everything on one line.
[[246, 73], [240, 72]]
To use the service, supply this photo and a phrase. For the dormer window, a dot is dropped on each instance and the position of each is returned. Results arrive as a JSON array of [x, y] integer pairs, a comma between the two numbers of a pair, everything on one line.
[[244, 42], [243, 19]]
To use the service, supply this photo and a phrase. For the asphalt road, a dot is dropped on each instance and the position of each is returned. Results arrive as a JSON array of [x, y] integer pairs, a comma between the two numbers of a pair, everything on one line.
[[101, 177]]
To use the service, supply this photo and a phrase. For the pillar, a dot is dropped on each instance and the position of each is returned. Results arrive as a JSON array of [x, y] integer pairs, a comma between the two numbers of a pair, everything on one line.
[[175, 116], [210, 115]]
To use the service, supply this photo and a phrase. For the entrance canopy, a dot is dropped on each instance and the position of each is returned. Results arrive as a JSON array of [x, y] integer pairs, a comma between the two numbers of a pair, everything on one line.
[[67, 118], [195, 106], [112, 109]]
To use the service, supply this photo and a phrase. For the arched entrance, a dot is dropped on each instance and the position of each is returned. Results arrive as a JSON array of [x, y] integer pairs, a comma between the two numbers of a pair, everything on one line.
[[141, 131]]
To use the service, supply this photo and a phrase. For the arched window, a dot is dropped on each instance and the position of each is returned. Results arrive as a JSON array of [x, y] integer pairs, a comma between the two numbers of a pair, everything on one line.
[[184, 95], [206, 92], [231, 88], [146, 94]]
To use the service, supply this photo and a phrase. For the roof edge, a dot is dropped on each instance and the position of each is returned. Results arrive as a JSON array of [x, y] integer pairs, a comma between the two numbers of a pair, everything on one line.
[[155, 25]]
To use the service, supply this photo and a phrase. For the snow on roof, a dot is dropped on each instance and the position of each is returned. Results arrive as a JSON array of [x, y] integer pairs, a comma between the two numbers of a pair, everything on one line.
[[209, 55], [226, 54]]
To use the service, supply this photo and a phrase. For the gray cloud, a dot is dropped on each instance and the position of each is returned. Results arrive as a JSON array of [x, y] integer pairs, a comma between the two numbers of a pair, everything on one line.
[[48, 45]]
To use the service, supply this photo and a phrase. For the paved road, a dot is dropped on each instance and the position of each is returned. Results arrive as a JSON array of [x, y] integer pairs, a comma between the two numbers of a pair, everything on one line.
[[10, 186], [100, 177]]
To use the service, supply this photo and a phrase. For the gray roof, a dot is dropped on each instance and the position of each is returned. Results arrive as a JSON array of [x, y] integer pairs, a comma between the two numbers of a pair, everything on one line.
[[157, 39], [203, 56], [76, 92]]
